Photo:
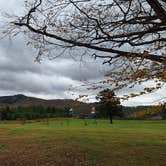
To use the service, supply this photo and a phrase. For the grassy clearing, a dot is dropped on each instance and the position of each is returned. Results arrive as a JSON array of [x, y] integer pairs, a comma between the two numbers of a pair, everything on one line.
[[72, 143]]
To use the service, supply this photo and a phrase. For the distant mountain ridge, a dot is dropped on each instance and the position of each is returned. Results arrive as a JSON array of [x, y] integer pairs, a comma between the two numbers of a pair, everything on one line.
[[138, 112], [21, 99], [12, 99]]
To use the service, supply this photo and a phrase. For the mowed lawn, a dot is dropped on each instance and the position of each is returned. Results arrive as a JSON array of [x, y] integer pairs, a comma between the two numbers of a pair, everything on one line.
[[72, 143]]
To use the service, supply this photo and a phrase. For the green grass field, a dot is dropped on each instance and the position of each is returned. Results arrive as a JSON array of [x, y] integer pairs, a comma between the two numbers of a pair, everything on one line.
[[72, 143]]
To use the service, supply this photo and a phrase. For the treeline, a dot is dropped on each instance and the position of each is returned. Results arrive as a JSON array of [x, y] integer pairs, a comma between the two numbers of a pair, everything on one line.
[[130, 110], [32, 112], [158, 110]]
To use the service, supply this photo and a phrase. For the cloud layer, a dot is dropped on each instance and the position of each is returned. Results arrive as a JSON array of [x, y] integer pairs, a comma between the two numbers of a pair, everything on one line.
[[20, 74], [50, 79]]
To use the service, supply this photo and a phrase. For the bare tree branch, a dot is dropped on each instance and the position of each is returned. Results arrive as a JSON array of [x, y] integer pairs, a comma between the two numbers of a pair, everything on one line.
[[128, 35]]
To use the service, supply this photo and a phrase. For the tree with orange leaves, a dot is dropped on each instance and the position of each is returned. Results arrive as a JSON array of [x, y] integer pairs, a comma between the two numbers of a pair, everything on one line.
[[128, 35]]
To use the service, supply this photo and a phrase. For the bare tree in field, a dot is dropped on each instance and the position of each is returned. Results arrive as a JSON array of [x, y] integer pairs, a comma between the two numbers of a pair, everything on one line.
[[128, 35]]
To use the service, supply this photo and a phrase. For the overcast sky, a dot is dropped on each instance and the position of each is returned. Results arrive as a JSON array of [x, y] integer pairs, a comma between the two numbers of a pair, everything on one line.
[[57, 78]]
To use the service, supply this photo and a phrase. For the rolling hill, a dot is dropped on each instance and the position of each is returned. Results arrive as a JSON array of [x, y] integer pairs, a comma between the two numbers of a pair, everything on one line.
[[23, 100]]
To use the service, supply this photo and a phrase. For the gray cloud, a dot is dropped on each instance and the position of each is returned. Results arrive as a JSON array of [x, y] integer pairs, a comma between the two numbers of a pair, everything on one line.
[[20, 74], [50, 79]]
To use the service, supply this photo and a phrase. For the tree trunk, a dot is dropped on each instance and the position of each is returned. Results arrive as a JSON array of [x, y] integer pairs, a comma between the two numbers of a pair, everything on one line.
[[110, 116]]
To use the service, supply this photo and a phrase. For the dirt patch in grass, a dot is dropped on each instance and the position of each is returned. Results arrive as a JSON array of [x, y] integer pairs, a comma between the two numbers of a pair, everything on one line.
[[42, 153]]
